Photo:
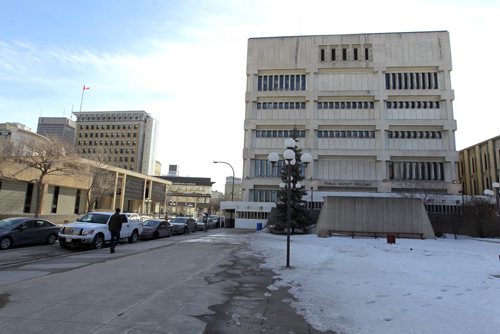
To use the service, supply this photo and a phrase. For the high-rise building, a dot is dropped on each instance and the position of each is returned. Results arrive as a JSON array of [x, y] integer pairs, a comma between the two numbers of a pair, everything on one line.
[[374, 110], [126, 139], [59, 127]]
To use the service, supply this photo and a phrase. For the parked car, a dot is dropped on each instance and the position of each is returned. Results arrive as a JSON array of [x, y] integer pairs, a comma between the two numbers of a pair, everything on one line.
[[216, 220], [92, 230], [156, 228], [184, 225], [27, 230], [201, 224]]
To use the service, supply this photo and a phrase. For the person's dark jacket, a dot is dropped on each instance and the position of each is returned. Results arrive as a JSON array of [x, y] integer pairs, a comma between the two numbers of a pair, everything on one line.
[[115, 222]]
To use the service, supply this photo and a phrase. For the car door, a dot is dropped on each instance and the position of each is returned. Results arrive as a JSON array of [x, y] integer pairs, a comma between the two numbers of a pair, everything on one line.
[[26, 233], [125, 232]]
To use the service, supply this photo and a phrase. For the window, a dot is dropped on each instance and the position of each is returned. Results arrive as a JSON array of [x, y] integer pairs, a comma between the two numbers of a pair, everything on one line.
[[344, 54], [367, 57], [355, 53], [322, 54], [333, 54]]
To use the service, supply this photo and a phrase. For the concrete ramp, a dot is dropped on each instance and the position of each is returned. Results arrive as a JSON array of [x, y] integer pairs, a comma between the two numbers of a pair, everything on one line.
[[374, 216]]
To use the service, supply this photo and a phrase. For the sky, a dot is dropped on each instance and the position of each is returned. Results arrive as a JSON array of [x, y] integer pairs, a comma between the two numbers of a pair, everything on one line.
[[184, 62], [367, 286]]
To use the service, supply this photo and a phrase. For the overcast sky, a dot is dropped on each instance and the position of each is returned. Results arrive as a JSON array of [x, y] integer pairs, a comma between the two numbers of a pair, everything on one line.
[[184, 62]]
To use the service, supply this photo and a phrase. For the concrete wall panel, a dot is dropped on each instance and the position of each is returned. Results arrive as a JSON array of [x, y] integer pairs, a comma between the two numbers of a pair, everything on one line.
[[370, 214]]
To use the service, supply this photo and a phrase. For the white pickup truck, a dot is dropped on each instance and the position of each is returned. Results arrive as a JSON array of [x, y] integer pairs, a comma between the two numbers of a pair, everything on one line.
[[92, 230]]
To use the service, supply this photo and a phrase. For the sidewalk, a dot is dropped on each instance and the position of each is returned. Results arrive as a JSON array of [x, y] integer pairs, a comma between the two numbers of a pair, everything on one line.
[[251, 307]]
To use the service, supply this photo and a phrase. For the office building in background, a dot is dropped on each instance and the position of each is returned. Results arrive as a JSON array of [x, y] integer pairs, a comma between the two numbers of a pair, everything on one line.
[[126, 139], [58, 127]]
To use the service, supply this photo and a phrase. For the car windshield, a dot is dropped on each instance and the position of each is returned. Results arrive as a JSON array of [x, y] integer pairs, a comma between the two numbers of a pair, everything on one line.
[[9, 222], [179, 220], [151, 223], [97, 218]]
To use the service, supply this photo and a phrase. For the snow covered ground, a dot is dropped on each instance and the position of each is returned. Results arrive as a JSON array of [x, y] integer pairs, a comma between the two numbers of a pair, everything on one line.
[[368, 286]]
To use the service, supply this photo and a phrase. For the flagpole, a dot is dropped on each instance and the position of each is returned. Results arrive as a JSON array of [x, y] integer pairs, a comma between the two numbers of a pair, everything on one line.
[[81, 101]]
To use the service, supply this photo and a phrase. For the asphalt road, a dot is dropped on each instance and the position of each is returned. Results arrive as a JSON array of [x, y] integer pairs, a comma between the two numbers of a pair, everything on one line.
[[196, 283]]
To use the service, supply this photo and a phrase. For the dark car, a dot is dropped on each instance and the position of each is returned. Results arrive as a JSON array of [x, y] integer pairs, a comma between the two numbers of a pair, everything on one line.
[[201, 224], [156, 228], [25, 231], [216, 220], [183, 225]]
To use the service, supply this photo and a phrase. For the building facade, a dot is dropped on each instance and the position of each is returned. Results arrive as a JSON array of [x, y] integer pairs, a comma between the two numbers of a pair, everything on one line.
[[16, 132], [126, 139], [232, 189], [188, 196], [374, 110], [480, 166], [59, 127]]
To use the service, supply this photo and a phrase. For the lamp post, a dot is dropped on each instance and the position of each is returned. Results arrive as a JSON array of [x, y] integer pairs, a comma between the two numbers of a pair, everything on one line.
[[312, 198], [289, 160], [232, 188]]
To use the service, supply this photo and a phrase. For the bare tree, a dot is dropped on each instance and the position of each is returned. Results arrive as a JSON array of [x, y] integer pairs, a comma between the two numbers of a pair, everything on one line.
[[33, 160], [428, 191], [101, 180]]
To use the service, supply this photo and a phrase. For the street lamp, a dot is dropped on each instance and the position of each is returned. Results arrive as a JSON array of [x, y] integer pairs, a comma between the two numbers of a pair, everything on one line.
[[232, 188], [289, 160]]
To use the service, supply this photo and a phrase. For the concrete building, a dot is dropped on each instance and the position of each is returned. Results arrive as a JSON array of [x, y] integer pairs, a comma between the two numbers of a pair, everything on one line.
[[16, 132], [126, 139], [480, 166], [374, 110], [59, 127], [66, 196]]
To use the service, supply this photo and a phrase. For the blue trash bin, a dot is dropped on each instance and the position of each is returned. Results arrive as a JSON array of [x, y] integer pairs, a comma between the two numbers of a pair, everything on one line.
[[259, 226]]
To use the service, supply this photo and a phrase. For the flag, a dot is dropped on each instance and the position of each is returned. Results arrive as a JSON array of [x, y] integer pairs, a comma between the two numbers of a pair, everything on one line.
[[86, 87]]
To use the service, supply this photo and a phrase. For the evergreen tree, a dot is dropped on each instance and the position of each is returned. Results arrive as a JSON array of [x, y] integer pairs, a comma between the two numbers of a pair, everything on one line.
[[299, 215]]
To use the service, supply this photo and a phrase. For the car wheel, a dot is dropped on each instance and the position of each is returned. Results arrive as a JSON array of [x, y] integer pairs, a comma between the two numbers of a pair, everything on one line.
[[133, 238], [98, 242], [5, 243], [170, 233], [195, 229], [156, 235], [51, 239], [186, 231], [62, 244]]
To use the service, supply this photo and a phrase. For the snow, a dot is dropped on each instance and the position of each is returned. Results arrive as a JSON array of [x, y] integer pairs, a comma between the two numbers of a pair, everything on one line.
[[365, 285]]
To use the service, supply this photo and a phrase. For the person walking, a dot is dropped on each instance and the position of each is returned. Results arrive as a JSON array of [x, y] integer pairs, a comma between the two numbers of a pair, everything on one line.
[[115, 226]]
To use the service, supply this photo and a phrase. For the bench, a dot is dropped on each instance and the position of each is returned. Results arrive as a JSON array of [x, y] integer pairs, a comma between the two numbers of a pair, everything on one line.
[[414, 235]]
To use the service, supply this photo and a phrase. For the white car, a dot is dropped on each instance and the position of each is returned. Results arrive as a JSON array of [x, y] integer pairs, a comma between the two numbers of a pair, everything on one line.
[[92, 230]]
